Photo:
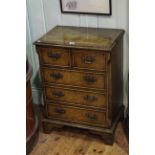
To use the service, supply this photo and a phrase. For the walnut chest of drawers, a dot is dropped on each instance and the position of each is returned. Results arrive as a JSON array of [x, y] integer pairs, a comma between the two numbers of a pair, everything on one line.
[[82, 78]]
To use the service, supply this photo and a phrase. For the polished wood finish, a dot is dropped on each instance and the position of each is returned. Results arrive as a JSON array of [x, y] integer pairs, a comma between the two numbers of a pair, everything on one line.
[[76, 115], [32, 125], [74, 77], [117, 77], [84, 89], [76, 96], [107, 133], [81, 37], [88, 59], [55, 56]]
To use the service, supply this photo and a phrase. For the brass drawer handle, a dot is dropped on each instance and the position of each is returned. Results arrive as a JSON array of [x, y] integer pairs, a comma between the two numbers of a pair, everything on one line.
[[56, 76], [59, 111], [90, 98], [54, 56], [88, 59], [90, 79], [91, 116], [58, 93]]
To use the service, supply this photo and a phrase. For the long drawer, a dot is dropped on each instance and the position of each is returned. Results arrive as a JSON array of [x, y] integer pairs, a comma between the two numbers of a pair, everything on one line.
[[76, 96], [74, 78], [76, 115]]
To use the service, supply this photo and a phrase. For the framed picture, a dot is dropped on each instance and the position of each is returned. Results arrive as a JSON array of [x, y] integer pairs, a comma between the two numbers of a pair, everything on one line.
[[86, 6]]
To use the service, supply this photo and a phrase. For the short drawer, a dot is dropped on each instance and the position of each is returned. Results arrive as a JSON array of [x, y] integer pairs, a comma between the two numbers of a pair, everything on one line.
[[54, 56], [89, 59], [74, 78], [76, 115], [76, 96]]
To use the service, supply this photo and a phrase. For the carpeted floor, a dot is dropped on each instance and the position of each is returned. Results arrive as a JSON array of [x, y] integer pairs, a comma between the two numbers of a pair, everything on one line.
[[79, 142]]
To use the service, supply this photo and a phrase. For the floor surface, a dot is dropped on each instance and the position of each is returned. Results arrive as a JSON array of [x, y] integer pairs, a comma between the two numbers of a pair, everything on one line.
[[79, 142]]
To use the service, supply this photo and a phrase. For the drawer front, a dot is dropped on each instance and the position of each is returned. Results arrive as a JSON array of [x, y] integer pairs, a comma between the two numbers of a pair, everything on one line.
[[74, 78], [76, 115], [89, 59], [75, 96], [55, 56]]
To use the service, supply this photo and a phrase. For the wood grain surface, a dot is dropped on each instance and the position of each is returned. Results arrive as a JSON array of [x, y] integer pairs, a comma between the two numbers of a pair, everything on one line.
[[92, 38], [77, 142], [87, 59], [76, 97], [77, 115], [74, 78]]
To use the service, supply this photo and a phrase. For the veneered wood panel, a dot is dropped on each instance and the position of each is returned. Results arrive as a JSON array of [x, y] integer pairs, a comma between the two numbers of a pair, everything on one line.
[[76, 115], [54, 56], [38, 9], [89, 59], [89, 71], [76, 97], [74, 78], [117, 78], [81, 37]]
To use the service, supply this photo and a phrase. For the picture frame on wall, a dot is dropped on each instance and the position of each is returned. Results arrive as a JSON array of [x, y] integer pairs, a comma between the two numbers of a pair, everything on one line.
[[102, 7]]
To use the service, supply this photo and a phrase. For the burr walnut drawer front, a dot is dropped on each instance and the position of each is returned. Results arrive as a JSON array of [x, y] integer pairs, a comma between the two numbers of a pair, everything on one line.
[[75, 96], [74, 78], [55, 56], [76, 115], [89, 59]]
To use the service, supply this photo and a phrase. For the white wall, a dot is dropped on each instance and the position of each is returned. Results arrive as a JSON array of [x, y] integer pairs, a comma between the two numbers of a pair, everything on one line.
[[43, 15]]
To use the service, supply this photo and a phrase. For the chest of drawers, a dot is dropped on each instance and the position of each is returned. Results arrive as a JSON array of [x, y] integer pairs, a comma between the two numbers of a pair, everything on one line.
[[82, 78]]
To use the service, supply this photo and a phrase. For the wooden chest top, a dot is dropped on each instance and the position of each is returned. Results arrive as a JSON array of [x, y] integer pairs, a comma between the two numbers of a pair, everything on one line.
[[81, 37]]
